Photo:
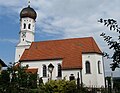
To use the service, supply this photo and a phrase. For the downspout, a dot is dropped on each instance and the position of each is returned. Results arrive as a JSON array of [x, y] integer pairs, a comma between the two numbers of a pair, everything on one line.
[[81, 78]]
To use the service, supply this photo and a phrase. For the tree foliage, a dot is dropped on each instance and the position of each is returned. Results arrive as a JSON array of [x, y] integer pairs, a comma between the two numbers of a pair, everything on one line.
[[113, 44], [59, 86], [15, 79], [116, 84]]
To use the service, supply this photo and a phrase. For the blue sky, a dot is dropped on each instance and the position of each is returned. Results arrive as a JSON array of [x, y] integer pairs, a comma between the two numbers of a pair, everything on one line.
[[57, 19]]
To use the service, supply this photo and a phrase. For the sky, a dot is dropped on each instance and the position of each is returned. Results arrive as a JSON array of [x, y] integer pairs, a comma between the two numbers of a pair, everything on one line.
[[58, 19]]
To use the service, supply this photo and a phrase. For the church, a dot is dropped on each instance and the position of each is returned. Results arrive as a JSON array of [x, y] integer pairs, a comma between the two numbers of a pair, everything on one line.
[[59, 59]]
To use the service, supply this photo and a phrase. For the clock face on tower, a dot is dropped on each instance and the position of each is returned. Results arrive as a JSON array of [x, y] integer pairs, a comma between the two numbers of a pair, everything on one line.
[[23, 34]]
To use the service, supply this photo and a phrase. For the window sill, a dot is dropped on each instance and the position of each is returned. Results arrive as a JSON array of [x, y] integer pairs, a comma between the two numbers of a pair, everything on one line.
[[59, 77], [88, 73]]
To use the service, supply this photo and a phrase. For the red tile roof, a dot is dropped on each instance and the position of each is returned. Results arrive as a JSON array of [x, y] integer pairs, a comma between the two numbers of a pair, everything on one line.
[[70, 50], [17, 64], [32, 70]]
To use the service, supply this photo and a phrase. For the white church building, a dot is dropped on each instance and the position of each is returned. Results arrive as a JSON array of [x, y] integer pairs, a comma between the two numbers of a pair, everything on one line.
[[74, 56]]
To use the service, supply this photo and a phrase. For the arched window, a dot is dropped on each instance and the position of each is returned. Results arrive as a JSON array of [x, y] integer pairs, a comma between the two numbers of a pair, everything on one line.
[[29, 26], [87, 66], [59, 70], [24, 26], [72, 77], [99, 66], [44, 71]]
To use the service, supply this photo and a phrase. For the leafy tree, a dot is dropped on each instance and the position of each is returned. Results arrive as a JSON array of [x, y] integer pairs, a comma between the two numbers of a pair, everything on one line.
[[4, 81], [32, 82], [113, 44], [116, 84], [15, 80]]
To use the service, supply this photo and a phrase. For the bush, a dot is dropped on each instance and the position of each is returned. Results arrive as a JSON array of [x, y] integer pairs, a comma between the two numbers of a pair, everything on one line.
[[59, 86]]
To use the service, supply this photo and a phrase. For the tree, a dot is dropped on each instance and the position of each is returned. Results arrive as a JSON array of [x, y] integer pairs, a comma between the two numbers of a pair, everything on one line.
[[16, 79], [113, 44], [4, 81], [59, 86]]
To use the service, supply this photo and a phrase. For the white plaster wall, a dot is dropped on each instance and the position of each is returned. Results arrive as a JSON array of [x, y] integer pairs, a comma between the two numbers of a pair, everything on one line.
[[29, 32], [19, 51], [29, 36], [93, 79], [27, 21], [101, 75], [39, 65], [66, 73], [89, 80], [23, 44]]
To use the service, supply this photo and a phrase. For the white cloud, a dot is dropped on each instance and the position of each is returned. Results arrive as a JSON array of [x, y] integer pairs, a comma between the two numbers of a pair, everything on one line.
[[9, 40]]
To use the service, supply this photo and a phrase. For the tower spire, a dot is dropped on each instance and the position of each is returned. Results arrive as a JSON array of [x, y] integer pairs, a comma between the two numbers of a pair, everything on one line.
[[28, 2]]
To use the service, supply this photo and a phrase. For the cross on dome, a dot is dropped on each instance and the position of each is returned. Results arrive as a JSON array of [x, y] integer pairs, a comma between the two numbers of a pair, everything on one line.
[[28, 2]]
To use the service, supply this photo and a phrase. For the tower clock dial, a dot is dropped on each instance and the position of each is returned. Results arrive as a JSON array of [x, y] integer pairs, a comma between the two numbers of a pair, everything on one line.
[[23, 34]]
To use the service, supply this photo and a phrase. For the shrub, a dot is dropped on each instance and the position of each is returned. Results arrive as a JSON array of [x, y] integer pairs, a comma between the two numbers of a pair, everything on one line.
[[59, 86]]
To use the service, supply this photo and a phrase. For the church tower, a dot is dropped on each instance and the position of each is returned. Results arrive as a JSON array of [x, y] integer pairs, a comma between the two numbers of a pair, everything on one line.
[[27, 30]]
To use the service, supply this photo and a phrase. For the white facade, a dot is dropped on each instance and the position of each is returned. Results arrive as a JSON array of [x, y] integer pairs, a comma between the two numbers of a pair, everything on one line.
[[67, 73], [92, 76], [27, 31], [39, 65], [96, 77], [92, 79]]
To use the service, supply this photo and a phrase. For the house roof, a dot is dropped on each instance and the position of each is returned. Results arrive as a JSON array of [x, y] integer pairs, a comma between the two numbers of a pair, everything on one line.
[[70, 50], [32, 70], [2, 63]]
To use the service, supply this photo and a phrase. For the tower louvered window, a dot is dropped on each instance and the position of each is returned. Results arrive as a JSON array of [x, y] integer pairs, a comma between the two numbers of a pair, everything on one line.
[[24, 26], [29, 26]]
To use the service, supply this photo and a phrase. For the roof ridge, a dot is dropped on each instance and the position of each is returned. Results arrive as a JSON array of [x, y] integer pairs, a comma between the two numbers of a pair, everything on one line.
[[61, 39], [92, 40], [94, 44]]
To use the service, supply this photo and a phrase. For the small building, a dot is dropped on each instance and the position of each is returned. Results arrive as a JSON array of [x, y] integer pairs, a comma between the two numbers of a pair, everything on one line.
[[2, 64]]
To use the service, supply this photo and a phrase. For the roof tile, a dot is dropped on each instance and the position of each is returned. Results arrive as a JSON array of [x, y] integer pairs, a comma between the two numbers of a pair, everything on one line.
[[70, 50]]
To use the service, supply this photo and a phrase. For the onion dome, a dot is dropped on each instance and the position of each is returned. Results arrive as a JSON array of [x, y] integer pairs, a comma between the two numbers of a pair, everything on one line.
[[28, 12]]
